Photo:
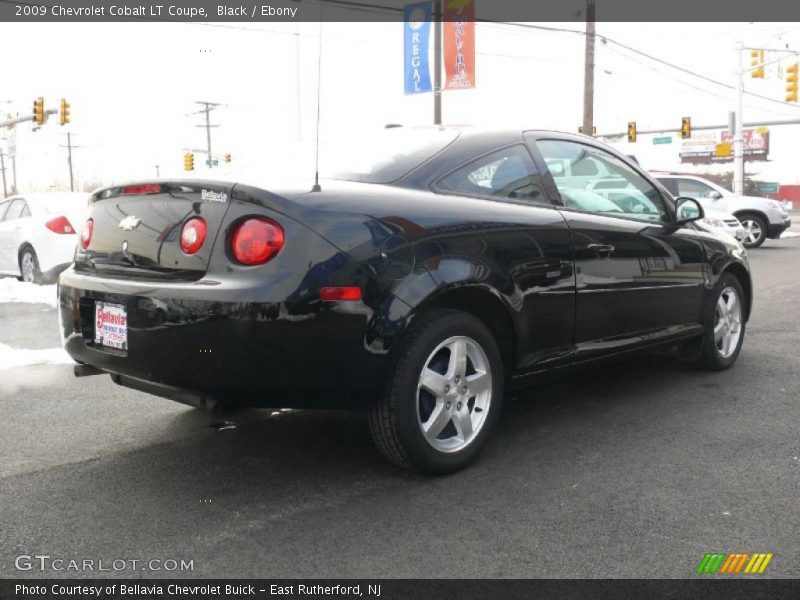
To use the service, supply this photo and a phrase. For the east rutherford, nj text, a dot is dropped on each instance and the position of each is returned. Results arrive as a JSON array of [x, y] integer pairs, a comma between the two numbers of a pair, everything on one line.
[[322, 590]]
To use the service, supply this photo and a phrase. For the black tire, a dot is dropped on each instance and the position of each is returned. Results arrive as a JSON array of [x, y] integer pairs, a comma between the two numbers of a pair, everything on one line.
[[758, 222], [711, 357], [394, 419], [31, 276]]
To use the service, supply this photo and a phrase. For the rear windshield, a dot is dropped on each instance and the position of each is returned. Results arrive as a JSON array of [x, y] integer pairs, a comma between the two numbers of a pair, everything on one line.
[[387, 156]]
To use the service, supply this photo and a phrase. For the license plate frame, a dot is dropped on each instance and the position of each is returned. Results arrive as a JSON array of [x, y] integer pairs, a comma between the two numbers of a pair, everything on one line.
[[111, 326]]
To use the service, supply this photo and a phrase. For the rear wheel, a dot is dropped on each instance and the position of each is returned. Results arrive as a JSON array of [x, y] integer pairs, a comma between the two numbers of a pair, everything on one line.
[[29, 266], [755, 230], [724, 325], [443, 395]]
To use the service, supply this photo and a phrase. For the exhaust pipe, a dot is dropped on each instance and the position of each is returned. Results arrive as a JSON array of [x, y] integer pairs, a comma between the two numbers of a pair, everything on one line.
[[86, 371]]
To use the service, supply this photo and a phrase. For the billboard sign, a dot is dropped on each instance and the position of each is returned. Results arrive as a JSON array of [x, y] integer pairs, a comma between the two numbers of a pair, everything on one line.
[[701, 148]]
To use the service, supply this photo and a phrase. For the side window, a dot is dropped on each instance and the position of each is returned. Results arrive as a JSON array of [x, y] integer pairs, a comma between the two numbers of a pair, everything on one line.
[[15, 210], [506, 173], [26, 212], [670, 184], [3, 209], [693, 189], [593, 180]]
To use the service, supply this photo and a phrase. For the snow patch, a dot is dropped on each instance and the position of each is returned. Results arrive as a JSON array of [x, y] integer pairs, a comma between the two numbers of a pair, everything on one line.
[[12, 290], [11, 358], [789, 234]]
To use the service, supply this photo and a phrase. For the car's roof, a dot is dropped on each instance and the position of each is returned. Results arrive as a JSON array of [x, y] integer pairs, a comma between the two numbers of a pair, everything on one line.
[[50, 196]]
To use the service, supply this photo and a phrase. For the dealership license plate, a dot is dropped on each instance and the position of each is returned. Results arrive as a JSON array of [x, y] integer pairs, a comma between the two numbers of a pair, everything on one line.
[[111, 325]]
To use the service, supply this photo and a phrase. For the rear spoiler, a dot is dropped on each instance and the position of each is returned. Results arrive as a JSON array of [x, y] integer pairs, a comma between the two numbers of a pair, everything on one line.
[[210, 190]]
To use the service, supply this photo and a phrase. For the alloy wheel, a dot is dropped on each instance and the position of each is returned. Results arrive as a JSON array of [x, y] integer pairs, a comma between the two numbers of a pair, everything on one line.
[[28, 266], [454, 394], [752, 231], [728, 322]]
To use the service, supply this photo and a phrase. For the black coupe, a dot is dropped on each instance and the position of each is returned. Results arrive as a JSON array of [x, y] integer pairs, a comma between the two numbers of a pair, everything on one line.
[[444, 267]]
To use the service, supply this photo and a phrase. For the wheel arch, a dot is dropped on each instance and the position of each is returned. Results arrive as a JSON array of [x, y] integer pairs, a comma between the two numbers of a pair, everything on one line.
[[738, 271], [752, 211], [485, 305]]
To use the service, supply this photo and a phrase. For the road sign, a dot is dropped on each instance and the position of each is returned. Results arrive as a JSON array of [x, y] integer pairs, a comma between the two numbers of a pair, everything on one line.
[[212, 162], [662, 140], [768, 187]]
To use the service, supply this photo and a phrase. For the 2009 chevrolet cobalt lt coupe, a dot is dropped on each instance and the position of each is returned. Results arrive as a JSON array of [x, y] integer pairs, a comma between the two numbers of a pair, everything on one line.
[[444, 267]]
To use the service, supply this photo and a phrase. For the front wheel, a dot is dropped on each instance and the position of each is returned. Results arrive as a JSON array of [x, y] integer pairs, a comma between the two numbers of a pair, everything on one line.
[[755, 230], [443, 395], [724, 325]]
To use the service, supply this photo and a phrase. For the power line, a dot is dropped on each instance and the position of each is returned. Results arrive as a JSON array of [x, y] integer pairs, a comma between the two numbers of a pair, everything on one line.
[[687, 84], [651, 57]]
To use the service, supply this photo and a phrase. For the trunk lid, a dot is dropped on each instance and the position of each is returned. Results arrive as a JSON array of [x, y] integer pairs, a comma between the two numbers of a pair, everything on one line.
[[137, 229]]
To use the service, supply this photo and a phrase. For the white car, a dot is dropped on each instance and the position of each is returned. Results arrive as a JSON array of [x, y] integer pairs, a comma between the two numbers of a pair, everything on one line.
[[717, 221], [761, 218], [38, 234]]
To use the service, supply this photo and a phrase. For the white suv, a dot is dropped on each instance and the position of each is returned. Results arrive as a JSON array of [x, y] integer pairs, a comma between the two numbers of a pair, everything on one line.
[[761, 218]]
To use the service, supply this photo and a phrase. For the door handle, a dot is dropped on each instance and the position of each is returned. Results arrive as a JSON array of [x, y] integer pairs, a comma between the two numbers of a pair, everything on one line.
[[604, 250]]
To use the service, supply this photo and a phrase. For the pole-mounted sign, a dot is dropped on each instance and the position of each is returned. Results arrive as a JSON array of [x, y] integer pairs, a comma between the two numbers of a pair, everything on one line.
[[417, 31]]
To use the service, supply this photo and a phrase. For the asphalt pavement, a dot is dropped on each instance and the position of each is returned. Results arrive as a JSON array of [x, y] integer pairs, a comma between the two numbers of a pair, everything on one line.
[[631, 470]]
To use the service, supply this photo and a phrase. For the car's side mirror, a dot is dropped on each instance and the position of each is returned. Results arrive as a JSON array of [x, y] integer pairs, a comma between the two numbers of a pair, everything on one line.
[[715, 195], [687, 210]]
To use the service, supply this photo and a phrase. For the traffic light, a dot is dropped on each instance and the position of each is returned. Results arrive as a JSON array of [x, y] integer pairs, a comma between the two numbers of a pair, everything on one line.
[[686, 128], [632, 131], [227, 158], [63, 114], [756, 59], [791, 83], [188, 161], [38, 111]]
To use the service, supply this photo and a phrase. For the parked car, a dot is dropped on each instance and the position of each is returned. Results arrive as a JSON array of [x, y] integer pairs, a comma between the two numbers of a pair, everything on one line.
[[38, 235], [446, 266], [721, 222], [761, 218], [614, 189]]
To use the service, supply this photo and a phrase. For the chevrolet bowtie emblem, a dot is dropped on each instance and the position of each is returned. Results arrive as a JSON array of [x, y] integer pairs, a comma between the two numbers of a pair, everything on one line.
[[130, 223]]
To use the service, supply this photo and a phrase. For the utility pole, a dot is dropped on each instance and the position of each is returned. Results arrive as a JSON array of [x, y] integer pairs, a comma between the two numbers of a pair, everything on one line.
[[158, 172], [69, 147], [14, 173], [207, 108], [299, 84], [738, 133], [437, 62], [3, 169], [588, 74]]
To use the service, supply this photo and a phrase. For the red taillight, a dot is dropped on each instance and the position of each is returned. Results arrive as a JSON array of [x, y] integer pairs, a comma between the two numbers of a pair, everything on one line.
[[256, 240], [86, 234], [193, 235], [145, 188], [340, 293], [60, 225]]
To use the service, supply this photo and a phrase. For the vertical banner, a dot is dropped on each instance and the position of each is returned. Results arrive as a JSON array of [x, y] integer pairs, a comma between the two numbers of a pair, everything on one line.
[[459, 44], [417, 30]]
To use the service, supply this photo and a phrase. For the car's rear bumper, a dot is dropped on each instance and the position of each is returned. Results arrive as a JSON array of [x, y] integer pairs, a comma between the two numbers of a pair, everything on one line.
[[774, 230], [191, 341]]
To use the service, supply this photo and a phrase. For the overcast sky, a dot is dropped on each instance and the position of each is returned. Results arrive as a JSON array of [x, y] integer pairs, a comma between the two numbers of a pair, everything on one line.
[[132, 88]]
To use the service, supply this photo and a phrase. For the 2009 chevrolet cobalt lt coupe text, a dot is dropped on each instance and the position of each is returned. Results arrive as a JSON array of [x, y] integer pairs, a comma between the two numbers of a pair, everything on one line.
[[446, 266]]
